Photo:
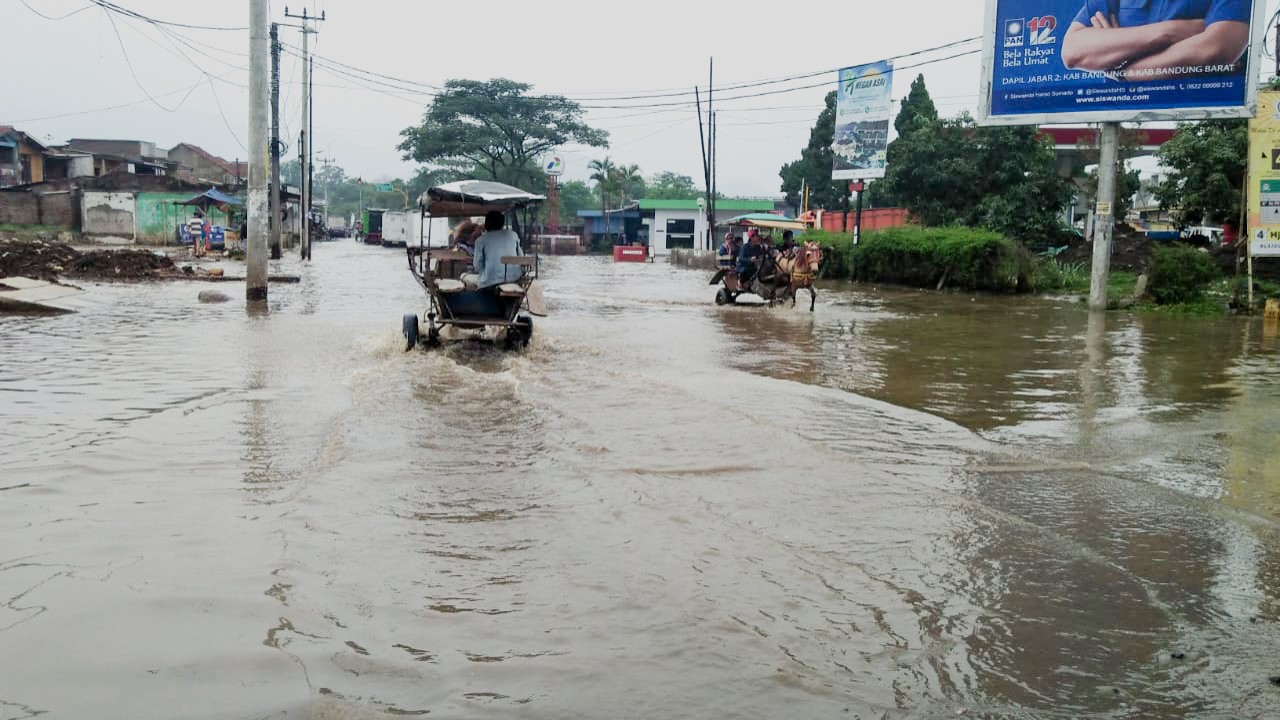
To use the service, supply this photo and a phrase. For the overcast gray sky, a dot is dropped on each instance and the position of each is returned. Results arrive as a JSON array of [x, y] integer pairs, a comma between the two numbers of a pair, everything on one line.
[[586, 50]]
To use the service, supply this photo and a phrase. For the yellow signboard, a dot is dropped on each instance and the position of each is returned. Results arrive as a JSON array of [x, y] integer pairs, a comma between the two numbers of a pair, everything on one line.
[[1264, 176]]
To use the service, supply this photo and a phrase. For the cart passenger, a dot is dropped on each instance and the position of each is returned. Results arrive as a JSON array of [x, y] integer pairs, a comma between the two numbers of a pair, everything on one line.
[[788, 241], [496, 243], [749, 258], [463, 237], [725, 254]]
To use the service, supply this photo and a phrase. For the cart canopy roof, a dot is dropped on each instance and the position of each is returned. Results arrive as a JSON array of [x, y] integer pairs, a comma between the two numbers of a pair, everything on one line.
[[467, 198], [766, 220]]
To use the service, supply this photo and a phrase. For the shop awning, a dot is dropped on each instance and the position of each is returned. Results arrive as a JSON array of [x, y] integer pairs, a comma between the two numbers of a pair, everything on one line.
[[766, 220]]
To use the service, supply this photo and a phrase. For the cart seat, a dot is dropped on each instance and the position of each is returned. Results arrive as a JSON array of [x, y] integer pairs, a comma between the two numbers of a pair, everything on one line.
[[510, 290], [446, 285], [470, 279]]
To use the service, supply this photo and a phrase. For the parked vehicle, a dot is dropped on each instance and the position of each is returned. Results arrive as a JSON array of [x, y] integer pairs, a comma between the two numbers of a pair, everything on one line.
[[1211, 236], [373, 226], [401, 229], [338, 228]]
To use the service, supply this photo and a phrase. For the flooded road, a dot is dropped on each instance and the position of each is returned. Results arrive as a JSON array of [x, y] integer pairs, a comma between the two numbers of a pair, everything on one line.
[[904, 505]]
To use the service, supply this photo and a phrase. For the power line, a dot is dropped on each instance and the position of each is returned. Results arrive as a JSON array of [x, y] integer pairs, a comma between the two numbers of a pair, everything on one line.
[[111, 107], [129, 64], [126, 11], [61, 17], [218, 102]]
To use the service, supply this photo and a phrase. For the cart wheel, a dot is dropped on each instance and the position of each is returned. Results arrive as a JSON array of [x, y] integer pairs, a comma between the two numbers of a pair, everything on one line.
[[433, 332], [723, 297], [525, 323], [410, 331]]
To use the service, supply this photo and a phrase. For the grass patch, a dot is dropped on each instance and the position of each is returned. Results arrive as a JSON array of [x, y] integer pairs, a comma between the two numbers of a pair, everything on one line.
[[1053, 275]]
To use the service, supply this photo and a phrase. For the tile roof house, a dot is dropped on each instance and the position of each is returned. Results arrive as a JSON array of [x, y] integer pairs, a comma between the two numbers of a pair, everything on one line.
[[196, 163]]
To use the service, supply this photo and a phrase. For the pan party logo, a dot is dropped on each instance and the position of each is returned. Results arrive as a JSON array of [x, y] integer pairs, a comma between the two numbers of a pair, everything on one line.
[[1015, 32]]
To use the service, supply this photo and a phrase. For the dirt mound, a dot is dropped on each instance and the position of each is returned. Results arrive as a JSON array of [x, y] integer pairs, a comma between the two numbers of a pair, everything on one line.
[[38, 259], [1130, 250], [120, 265]]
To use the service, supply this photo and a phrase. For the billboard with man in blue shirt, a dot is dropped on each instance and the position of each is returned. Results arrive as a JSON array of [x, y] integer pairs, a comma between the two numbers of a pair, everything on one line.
[[1115, 60]]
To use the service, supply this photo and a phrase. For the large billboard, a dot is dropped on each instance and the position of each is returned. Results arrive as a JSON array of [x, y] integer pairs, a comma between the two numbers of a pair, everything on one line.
[[863, 103], [1264, 176], [1047, 61]]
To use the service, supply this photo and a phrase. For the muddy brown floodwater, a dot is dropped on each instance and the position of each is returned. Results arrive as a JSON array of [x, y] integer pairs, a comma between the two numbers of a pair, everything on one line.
[[903, 505]]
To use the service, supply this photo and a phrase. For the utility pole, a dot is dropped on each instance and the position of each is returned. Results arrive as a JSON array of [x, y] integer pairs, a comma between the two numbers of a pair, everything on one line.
[[306, 125], [325, 181], [711, 139], [256, 250], [1104, 223], [274, 200]]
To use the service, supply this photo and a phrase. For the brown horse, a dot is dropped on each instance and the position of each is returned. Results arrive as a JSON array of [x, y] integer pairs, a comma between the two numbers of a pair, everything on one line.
[[800, 270]]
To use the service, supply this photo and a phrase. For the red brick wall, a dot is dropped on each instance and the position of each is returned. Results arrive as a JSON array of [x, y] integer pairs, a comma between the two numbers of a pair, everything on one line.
[[880, 219]]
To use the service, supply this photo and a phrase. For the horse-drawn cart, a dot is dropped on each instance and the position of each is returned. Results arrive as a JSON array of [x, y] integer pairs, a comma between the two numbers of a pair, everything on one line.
[[776, 273], [446, 273]]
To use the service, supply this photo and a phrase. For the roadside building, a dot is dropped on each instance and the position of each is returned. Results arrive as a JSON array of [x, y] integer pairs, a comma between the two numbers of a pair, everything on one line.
[[136, 157], [193, 162], [21, 158], [682, 224]]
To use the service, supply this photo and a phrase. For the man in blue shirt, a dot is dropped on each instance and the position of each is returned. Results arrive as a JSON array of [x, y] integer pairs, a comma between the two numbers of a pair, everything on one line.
[[749, 257], [493, 245], [1152, 39]]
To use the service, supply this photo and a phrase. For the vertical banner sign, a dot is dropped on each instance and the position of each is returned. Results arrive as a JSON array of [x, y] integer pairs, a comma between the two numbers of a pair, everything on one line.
[[863, 103], [1120, 60], [1264, 176]]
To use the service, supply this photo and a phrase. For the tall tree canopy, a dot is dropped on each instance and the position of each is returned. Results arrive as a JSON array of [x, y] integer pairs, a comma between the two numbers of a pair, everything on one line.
[[672, 186], [498, 128], [1207, 163], [814, 165], [952, 172], [917, 109]]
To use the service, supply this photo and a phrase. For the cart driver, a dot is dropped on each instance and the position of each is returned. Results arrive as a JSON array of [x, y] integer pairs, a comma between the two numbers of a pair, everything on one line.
[[496, 243], [749, 257]]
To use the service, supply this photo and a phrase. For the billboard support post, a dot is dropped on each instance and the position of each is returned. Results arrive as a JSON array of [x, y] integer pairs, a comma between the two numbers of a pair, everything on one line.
[[1104, 210]]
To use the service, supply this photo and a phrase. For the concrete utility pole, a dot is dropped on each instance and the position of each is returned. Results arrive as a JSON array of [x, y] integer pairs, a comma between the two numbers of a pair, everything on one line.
[[1104, 211], [327, 162], [274, 202], [259, 67], [306, 125]]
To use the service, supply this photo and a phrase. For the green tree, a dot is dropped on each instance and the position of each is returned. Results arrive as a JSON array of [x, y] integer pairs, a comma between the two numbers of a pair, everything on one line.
[[603, 174], [953, 172], [1206, 162], [917, 109], [498, 128], [671, 186], [629, 183], [575, 195], [815, 164]]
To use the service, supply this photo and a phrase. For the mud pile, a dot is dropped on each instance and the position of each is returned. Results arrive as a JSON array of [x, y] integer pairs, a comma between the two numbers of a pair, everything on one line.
[[38, 259], [120, 265], [48, 260]]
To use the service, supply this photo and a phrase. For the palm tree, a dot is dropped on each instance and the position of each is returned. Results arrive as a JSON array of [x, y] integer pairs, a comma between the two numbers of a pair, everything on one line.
[[627, 177], [602, 174]]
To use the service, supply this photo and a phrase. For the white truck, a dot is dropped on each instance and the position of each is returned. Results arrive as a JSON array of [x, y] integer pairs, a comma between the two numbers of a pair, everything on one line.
[[401, 229]]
